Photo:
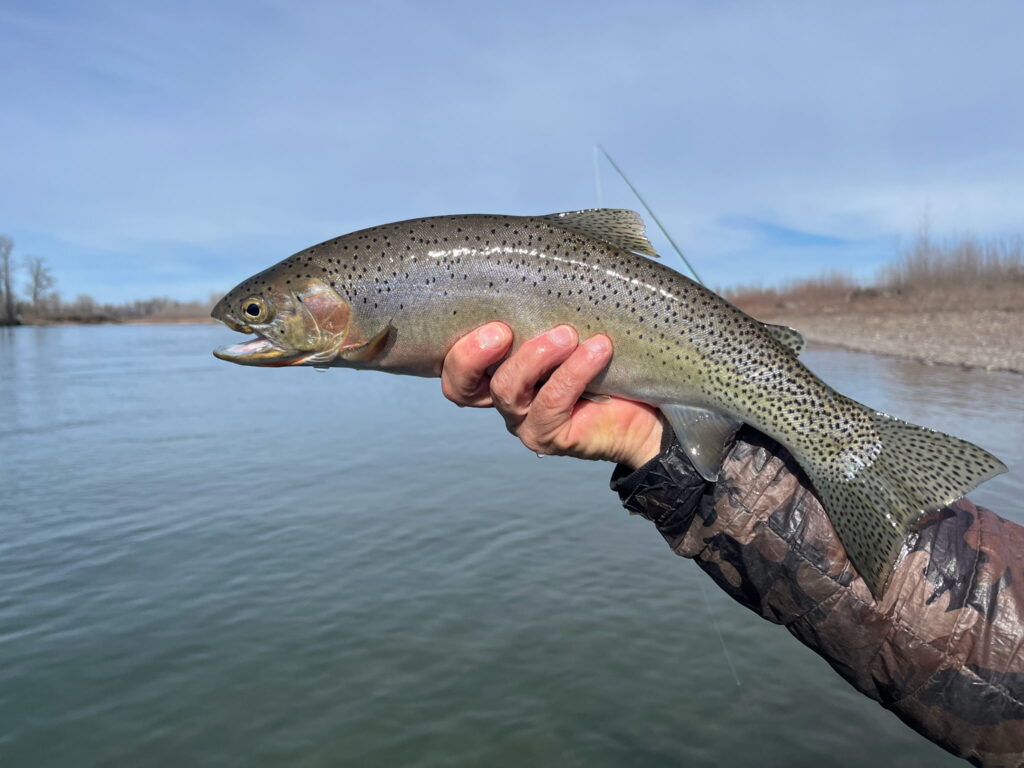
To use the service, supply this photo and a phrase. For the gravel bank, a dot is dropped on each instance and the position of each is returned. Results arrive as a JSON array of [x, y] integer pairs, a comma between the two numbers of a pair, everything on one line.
[[988, 339]]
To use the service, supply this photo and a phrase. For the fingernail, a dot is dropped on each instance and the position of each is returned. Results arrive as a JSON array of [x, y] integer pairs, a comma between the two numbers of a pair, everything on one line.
[[563, 336], [491, 336], [598, 346]]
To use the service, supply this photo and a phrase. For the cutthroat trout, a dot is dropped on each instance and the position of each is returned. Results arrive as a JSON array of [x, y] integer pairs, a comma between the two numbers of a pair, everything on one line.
[[397, 297]]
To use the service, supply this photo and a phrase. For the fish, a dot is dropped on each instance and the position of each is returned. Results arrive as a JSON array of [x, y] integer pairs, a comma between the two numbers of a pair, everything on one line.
[[397, 297]]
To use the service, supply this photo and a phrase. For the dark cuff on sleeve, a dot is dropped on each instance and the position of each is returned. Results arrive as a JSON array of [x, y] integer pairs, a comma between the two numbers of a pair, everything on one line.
[[667, 490]]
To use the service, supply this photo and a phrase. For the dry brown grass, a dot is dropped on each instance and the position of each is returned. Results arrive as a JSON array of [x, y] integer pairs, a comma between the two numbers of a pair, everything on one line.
[[966, 272], [834, 285], [964, 262]]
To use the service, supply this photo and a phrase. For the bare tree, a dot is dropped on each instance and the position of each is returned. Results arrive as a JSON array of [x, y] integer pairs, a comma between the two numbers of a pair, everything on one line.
[[6, 292], [84, 304], [40, 279]]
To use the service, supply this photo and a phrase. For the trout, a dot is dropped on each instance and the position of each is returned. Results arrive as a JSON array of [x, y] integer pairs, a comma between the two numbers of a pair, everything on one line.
[[397, 297]]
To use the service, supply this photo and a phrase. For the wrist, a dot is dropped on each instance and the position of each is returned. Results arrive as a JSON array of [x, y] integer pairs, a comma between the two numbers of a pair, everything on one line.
[[648, 448], [667, 490]]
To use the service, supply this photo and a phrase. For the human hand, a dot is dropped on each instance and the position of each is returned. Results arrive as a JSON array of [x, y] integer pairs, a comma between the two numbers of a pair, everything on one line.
[[548, 416]]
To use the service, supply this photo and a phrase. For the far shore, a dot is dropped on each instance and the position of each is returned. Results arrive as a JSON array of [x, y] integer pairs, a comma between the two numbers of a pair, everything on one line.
[[189, 320], [151, 320], [971, 329]]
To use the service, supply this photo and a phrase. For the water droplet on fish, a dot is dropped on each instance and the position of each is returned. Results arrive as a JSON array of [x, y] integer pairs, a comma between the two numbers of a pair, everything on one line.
[[540, 455], [321, 368]]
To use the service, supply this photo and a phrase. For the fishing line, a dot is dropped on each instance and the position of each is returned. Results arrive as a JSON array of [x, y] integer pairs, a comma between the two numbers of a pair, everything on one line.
[[647, 208], [718, 629]]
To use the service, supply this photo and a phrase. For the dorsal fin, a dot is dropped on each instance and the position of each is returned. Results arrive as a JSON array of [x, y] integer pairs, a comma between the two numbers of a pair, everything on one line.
[[790, 338], [621, 228]]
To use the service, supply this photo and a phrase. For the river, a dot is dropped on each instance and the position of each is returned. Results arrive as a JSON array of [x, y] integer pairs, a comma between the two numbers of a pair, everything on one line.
[[209, 565]]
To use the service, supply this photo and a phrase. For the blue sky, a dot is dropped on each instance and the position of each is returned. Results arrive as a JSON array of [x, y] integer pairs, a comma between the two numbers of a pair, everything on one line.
[[175, 148]]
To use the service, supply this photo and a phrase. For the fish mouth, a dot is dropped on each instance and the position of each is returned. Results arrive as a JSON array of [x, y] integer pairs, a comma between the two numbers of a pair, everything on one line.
[[260, 351]]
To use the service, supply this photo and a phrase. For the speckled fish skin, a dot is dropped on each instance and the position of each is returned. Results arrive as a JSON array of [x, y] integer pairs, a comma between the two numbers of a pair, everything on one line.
[[397, 297]]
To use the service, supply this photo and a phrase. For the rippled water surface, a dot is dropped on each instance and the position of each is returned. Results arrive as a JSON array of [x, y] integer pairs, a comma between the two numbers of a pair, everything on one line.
[[203, 564]]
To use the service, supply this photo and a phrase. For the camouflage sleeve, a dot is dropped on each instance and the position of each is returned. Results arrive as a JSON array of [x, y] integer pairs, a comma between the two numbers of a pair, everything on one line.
[[941, 648]]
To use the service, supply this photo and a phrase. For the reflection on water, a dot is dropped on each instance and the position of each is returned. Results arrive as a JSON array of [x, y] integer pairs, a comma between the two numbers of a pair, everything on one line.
[[204, 564]]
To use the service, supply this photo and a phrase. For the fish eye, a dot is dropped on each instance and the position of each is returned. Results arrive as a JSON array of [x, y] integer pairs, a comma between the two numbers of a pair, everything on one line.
[[255, 309]]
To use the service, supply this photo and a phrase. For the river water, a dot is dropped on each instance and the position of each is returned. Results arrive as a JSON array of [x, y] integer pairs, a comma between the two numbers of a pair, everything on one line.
[[203, 564]]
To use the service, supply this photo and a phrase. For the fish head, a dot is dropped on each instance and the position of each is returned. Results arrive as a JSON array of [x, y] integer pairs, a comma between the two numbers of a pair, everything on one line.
[[296, 322]]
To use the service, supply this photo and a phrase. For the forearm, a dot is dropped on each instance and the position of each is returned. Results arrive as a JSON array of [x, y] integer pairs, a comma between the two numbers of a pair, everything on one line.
[[940, 648]]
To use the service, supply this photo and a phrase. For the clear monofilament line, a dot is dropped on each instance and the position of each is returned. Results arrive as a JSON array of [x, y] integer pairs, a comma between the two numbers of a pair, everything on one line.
[[718, 630], [653, 216]]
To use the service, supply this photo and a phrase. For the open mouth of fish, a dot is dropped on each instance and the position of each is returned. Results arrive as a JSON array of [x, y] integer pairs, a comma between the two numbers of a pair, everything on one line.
[[260, 351], [257, 346]]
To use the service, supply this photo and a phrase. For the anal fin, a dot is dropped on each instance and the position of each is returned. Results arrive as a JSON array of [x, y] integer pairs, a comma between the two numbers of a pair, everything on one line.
[[703, 434]]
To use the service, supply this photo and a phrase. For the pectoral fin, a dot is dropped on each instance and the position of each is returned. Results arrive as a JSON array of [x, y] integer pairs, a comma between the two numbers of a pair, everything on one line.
[[704, 436], [364, 352]]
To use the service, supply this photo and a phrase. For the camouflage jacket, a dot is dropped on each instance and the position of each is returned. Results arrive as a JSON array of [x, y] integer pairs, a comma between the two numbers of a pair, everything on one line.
[[941, 648]]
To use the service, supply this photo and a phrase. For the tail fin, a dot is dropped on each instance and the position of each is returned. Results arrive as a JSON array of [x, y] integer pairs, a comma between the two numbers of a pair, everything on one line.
[[874, 497]]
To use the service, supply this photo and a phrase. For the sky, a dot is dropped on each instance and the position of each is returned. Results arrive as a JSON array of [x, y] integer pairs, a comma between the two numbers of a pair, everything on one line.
[[154, 148]]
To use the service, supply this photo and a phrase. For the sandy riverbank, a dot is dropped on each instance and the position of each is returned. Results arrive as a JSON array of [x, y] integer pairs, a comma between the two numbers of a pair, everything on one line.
[[977, 328]]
